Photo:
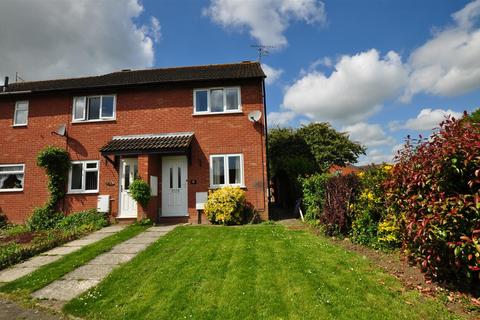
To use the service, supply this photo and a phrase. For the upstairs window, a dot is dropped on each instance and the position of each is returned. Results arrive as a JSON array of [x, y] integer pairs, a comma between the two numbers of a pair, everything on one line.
[[216, 100], [83, 177], [11, 177], [94, 108], [20, 117]]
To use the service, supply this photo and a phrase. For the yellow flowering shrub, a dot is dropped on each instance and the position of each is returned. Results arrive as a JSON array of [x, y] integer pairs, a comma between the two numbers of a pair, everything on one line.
[[226, 206]]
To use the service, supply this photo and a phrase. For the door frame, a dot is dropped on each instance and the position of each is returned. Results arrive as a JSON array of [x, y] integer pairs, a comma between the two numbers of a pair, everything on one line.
[[120, 177], [185, 158]]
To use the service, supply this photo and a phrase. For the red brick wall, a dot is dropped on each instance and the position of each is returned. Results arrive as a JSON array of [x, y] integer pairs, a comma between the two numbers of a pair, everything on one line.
[[161, 109]]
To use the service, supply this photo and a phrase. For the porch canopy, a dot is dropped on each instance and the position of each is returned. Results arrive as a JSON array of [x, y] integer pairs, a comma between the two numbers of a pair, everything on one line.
[[166, 143]]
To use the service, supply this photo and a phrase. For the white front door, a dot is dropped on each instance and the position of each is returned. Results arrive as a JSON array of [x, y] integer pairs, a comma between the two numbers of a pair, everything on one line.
[[174, 186], [128, 173]]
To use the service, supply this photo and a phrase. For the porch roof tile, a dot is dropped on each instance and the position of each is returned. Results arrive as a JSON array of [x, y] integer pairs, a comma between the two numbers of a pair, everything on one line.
[[148, 143]]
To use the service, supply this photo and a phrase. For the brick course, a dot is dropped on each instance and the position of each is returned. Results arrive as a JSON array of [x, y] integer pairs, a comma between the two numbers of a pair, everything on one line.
[[139, 110]]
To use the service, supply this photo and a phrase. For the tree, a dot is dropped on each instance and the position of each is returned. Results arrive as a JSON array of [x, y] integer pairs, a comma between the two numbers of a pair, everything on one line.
[[298, 152], [329, 146]]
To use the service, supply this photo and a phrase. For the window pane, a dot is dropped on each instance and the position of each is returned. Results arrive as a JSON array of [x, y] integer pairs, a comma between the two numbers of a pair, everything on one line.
[[135, 172], [126, 177], [232, 99], [92, 165], [91, 180], [23, 106], [234, 170], [216, 100], [76, 182], [93, 108], [179, 177], [201, 101], [218, 170], [107, 107], [21, 117], [11, 168], [11, 181], [79, 108]]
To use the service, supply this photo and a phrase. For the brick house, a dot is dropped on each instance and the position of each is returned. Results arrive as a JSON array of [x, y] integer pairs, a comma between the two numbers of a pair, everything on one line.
[[184, 130]]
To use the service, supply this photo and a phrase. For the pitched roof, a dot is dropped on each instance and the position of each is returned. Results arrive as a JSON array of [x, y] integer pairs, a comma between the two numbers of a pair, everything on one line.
[[148, 143], [242, 70]]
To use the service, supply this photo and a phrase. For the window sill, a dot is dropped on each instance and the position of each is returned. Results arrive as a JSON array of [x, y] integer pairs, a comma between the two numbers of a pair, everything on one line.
[[215, 113], [19, 125], [11, 190], [93, 121], [228, 185], [83, 192]]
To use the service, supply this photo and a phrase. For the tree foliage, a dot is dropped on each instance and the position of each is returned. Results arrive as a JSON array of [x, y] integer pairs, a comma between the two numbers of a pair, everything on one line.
[[301, 152]]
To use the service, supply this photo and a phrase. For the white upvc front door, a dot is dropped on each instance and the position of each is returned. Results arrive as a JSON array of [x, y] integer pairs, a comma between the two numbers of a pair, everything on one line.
[[128, 173], [174, 186]]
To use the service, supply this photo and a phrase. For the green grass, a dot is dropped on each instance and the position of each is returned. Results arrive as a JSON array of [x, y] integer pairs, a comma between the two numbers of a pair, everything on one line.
[[55, 270], [251, 272]]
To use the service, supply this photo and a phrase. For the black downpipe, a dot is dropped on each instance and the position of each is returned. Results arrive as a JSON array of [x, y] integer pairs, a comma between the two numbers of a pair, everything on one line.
[[266, 140]]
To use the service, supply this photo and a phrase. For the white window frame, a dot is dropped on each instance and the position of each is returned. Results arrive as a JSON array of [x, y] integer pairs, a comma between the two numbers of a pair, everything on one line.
[[85, 111], [209, 90], [84, 171], [14, 172], [15, 124], [226, 168]]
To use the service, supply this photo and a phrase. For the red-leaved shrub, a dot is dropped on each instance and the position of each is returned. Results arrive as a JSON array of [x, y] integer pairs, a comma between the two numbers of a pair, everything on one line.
[[435, 184], [339, 193]]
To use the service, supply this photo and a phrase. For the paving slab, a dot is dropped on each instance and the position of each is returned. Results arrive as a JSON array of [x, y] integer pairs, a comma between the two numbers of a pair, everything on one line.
[[141, 241], [64, 290], [112, 258], [80, 243], [61, 251], [129, 248], [112, 229], [11, 274], [161, 228], [90, 272], [98, 236], [37, 261]]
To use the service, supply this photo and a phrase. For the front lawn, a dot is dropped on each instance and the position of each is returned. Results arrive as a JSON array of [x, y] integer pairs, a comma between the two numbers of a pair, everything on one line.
[[251, 272]]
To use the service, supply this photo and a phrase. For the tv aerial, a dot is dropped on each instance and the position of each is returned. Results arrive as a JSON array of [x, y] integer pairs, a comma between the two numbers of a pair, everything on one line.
[[263, 50]]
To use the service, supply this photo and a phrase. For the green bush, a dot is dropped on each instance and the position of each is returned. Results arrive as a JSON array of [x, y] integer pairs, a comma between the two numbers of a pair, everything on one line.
[[86, 220], [13, 253], [313, 189], [140, 192], [372, 225], [226, 206], [43, 219], [56, 163]]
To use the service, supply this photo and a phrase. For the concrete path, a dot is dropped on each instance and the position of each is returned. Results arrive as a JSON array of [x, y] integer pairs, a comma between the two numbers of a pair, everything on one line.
[[19, 270], [90, 274], [10, 310]]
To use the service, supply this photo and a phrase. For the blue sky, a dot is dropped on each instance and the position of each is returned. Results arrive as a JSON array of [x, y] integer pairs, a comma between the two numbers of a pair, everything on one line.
[[378, 69]]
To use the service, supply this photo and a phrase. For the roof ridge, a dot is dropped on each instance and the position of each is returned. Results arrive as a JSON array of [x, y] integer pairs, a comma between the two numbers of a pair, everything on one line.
[[138, 70]]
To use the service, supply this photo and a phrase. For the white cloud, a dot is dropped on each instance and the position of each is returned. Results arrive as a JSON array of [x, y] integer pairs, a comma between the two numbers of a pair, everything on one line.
[[370, 135], [376, 156], [279, 119], [266, 20], [353, 91], [57, 38], [449, 63], [272, 73], [427, 119]]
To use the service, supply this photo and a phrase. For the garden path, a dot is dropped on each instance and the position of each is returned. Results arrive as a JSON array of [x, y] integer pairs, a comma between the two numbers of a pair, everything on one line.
[[21, 269], [92, 273]]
